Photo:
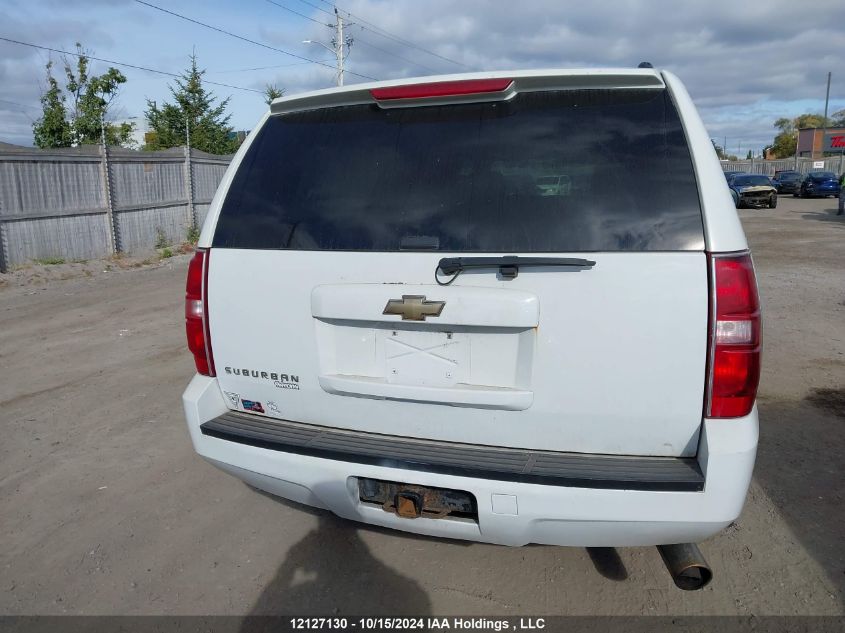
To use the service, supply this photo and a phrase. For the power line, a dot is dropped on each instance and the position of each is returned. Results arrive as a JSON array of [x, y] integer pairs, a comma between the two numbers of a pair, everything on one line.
[[386, 34], [387, 52], [310, 4], [246, 39], [358, 40], [20, 105], [111, 61], [302, 15], [243, 70]]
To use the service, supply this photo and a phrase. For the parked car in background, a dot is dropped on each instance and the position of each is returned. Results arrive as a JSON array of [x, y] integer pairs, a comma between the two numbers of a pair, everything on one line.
[[730, 175], [753, 190], [819, 184], [787, 181]]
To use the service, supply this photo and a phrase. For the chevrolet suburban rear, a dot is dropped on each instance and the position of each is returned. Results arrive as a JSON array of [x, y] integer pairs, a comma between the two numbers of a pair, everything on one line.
[[394, 316]]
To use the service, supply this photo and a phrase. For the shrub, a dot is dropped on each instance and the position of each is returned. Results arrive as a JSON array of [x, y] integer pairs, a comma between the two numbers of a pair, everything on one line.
[[193, 235], [161, 238]]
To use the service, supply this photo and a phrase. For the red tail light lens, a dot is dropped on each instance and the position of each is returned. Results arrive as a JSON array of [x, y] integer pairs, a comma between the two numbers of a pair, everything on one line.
[[735, 337], [441, 89], [196, 313]]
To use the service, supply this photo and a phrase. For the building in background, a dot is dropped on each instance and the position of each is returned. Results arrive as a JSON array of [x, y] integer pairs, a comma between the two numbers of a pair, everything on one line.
[[815, 142]]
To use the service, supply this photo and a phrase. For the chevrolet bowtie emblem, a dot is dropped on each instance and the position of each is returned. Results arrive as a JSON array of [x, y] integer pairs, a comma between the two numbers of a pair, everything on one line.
[[414, 307]]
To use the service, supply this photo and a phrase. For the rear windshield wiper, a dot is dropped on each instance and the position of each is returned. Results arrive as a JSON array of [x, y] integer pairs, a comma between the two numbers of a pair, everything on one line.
[[508, 265]]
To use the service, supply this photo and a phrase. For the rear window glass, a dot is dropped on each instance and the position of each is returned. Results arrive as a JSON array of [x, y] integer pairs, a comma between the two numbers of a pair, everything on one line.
[[471, 178]]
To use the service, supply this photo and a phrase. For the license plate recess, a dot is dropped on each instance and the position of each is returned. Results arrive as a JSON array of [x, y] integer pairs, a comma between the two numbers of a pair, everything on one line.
[[412, 501]]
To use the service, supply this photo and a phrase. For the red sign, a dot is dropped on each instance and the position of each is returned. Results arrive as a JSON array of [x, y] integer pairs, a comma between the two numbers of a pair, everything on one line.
[[834, 142]]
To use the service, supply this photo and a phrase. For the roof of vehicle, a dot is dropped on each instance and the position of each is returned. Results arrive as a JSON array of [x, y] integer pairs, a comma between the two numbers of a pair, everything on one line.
[[746, 177], [523, 81]]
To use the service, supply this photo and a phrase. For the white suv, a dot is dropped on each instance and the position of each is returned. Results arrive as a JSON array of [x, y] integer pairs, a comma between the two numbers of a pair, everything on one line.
[[392, 321]]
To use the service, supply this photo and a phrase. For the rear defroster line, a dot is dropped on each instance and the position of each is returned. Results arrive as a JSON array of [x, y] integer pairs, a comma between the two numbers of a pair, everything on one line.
[[508, 265]]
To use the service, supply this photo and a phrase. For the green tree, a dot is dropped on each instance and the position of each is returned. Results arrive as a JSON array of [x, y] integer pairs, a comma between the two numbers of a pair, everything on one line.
[[207, 123], [786, 141], [272, 91], [809, 120], [784, 145], [91, 97], [749, 155], [52, 129]]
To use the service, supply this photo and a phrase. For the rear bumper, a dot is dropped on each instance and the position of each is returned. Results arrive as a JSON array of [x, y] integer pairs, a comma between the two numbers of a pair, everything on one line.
[[513, 512]]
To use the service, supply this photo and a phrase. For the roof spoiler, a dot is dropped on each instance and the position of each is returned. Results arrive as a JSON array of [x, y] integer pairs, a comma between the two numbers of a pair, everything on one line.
[[466, 88]]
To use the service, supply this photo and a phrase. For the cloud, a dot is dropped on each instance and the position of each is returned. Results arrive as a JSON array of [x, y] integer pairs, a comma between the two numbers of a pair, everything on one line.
[[745, 64]]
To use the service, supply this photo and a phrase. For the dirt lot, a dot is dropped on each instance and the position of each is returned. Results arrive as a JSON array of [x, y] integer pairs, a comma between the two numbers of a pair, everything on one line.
[[104, 508]]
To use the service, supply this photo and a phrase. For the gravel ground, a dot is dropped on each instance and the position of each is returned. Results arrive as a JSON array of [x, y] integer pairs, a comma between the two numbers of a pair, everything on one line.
[[105, 509]]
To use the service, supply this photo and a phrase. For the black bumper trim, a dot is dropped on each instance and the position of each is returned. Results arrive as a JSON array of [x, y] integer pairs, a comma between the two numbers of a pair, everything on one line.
[[577, 470]]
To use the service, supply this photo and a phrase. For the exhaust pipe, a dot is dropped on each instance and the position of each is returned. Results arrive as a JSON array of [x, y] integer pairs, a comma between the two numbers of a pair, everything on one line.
[[686, 565]]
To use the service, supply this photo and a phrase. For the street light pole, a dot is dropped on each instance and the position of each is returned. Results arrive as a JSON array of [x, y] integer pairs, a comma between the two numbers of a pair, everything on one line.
[[826, 101], [339, 48]]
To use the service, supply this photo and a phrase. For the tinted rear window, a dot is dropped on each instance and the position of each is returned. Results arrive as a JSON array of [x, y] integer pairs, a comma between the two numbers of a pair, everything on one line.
[[466, 178]]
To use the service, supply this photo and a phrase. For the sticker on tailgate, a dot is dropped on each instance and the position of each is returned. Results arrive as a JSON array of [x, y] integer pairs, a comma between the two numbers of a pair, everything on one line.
[[252, 405]]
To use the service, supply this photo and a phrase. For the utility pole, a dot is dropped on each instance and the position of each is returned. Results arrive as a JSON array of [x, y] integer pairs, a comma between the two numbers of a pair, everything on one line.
[[340, 45], [826, 102]]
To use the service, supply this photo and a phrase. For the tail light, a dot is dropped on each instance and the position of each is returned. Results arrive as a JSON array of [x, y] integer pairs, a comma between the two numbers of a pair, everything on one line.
[[734, 370], [196, 313]]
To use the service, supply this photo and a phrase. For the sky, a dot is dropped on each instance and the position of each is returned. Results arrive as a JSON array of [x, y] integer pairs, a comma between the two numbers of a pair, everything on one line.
[[744, 63]]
